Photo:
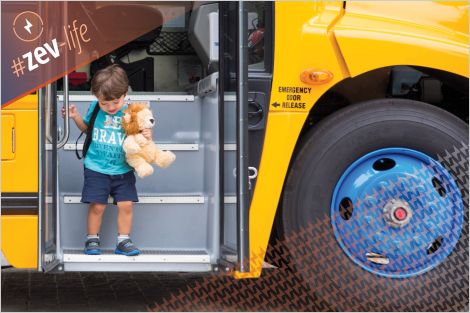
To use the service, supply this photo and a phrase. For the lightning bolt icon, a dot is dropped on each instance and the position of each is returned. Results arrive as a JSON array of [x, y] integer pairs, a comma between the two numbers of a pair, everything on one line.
[[28, 26]]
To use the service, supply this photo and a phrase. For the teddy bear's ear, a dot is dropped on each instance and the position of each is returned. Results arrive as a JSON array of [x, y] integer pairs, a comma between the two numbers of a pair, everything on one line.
[[127, 117]]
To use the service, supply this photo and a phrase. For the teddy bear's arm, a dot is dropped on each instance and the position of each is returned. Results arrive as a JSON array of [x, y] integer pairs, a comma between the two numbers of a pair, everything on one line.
[[163, 158], [142, 168], [130, 145]]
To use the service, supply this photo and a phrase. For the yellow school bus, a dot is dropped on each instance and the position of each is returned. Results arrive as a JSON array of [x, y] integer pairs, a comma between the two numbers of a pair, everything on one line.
[[281, 115]]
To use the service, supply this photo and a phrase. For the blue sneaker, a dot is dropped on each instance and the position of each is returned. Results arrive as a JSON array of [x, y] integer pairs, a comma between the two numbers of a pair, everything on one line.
[[92, 246], [126, 247]]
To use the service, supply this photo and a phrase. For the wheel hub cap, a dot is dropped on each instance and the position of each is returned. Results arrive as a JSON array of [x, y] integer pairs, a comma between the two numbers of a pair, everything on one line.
[[397, 212]]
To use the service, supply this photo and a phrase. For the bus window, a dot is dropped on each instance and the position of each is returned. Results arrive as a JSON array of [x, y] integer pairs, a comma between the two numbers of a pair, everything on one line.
[[162, 60], [256, 34]]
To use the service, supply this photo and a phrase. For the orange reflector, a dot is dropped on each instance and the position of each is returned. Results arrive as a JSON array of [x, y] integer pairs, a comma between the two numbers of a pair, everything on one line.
[[315, 77]]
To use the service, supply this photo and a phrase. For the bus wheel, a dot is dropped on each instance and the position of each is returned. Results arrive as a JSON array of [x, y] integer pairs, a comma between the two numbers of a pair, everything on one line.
[[375, 208]]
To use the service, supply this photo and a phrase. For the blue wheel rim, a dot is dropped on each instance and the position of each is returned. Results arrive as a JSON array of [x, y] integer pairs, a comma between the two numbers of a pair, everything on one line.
[[397, 212]]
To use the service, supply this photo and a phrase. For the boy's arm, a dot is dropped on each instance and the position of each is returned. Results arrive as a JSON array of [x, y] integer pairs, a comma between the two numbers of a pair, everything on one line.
[[80, 123], [77, 118], [147, 133]]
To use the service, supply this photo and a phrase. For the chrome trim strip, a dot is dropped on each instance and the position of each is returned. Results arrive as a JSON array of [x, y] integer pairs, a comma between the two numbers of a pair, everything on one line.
[[166, 98], [230, 147], [230, 199], [230, 98], [155, 200], [163, 146], [150, 200]]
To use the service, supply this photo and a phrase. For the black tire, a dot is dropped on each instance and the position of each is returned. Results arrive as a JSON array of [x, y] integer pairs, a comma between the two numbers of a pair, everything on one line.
[[324, 154]]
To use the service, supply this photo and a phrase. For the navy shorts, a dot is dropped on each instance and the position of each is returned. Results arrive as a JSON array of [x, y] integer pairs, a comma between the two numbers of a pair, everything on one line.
[[98, 187]]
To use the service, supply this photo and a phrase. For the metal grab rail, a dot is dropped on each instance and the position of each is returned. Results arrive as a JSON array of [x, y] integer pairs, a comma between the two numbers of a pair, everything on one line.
[[64, 139], [45, 100], [242, 143]]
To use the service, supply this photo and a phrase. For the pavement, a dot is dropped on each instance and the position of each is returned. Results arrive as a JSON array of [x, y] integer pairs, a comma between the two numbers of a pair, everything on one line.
[[32, 291]]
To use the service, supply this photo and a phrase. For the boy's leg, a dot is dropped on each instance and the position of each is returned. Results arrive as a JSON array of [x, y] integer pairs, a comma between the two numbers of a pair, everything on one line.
[[95, 216], [125, 245], [96, 189], [125, 214], [124, 193]]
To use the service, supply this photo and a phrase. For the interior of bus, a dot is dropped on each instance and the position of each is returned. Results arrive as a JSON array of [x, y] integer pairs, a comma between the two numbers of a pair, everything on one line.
[[172, 57]]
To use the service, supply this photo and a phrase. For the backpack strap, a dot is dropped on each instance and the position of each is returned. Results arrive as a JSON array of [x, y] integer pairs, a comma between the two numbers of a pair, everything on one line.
[[89, 134], [76, 147]]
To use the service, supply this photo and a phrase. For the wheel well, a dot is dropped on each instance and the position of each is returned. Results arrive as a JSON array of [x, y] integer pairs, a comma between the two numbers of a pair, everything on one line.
[[440, 88]]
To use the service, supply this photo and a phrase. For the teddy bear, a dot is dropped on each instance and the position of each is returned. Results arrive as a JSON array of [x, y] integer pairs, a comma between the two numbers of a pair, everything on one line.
[[141, 152]]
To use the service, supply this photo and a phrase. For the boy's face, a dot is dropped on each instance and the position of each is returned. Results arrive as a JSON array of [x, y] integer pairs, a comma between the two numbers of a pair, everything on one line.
[[111, 106]]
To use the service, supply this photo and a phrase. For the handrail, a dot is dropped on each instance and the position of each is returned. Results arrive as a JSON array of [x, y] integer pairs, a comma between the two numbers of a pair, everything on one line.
[[242, 143], [64, 139], [46, 96]]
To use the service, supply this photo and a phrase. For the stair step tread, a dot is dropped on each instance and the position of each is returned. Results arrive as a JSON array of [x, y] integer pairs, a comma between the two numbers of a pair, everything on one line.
[[146, 256]]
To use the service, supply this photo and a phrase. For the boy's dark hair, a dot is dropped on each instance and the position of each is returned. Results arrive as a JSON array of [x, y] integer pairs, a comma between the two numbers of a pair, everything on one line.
[[110, 83]]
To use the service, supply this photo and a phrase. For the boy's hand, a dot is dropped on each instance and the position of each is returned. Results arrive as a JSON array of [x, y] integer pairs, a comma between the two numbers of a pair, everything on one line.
[[147, 133], [76, 117], [73, 112]]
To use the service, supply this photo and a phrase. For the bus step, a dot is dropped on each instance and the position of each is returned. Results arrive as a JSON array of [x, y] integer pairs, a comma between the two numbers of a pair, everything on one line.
[[148, 260]]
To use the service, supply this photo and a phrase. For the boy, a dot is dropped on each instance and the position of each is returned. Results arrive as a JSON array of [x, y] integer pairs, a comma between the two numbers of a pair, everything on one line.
[[105, 168]]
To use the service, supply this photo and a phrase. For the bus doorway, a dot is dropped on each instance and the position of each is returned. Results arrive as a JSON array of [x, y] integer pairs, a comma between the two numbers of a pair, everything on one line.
[[189, 216]]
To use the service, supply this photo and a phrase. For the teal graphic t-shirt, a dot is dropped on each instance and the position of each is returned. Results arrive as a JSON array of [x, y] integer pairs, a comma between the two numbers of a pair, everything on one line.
[[105, 154]]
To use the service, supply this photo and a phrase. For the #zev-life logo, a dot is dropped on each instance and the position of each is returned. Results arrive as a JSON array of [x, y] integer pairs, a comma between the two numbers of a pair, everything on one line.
[[28, 26]]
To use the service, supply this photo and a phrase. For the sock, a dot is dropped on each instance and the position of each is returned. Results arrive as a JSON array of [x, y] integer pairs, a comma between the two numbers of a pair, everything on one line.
[[122, 238], [93, 236]]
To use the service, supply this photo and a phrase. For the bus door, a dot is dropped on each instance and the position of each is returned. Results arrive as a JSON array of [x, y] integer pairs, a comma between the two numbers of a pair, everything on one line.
[[47, 185], [244, 103]]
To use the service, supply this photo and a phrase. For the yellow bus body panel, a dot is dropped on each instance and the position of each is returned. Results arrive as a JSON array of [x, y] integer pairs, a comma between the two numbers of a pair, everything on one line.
[[374, 34], [301, 43], [19, 173], [8, 134], [29, 102], [20, 168], [20, 240], [363, 37]]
